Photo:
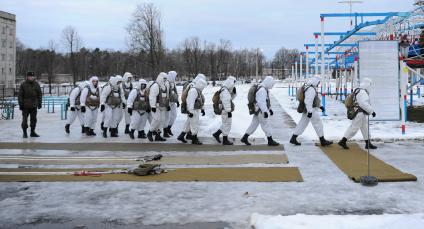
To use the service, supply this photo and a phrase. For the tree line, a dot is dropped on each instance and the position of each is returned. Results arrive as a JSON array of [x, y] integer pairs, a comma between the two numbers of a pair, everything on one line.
[[146, 55]]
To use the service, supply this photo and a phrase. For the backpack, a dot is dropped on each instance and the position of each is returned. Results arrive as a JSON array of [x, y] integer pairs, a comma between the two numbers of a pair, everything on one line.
[[351, 106], [184, 95], [300, 94], [77, 99], [251, 98], [147, 169], [216, 101]]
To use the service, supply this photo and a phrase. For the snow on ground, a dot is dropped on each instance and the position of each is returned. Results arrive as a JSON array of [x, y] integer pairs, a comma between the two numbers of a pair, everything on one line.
[[325, 190], [336, 122], [299, 221]]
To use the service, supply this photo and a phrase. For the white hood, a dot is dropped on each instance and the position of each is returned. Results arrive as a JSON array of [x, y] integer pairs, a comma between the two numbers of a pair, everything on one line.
[[366, 84], [140, 82], [90, 81], [171, 76], [230, 82], [268, 82], [200, 84], [113, 82], [199, 76], [313, 81], [161, 79], [127, 76]]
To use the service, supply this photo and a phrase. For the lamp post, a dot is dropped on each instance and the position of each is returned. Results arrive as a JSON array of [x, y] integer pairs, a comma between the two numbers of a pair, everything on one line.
[[350, 2]]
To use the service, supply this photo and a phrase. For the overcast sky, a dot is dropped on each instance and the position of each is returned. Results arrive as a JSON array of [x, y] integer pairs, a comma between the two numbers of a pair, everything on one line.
[[265, 24]]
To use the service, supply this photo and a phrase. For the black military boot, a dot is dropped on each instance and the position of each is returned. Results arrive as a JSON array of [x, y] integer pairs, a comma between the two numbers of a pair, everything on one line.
[[170, 131], [127, 128], [141, 134], [67, 128], [293, 140], [245, 139], [181, 137], [83, 129], [132, 133], [24, 133], [165, 133], [343, 142], [226, 142], [369, 145], [102, 126], [33, 134], [159, 138], [188, 136], [87, 131], [150, 135], [324, 142], [216, 135], [195, 140], [92, 132], [114, 133], [271, 142], [104, 132]]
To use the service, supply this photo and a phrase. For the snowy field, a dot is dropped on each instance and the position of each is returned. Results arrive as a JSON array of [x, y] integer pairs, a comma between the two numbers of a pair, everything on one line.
[[326, 195]]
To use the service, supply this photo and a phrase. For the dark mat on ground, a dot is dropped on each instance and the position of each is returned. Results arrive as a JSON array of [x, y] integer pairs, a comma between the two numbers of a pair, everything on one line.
[[416, 114], [353, 163], [168, 160], [156, 147], [242, 174]]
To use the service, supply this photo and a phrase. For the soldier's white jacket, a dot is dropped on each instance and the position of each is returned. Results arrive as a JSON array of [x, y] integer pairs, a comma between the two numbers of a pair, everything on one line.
[[155, 89], [226, 95], [113, 85], [193, 94], [85, 91], [262, 94]]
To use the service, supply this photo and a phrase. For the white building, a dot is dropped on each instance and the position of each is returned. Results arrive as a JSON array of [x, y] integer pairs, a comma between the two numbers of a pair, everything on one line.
[[7, 49]]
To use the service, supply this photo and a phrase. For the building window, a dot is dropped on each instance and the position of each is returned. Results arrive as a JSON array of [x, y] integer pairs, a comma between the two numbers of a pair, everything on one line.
[[3, 43], [2, 71], [10, 57], [4, 30], [11, 32], [10, 70], [11, 44], [3, 57]]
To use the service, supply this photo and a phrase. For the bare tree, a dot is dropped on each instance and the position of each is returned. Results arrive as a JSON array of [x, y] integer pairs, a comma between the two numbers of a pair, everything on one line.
[[146, 35], [72, 42], [51, 57]]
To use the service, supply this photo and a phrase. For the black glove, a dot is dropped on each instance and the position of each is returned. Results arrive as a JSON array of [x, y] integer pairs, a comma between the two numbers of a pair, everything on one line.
[[373, 114], [234, 90], [20, 107], [83, 109], [178, 104], [153, 109], [123, 105], [102, 108], [309, 115], [203, 112], [322, 109], [271, 112], [129, 110], [190, 115], [230, 115], [168, 108], [72, 108], [39, 106], [265, 114]]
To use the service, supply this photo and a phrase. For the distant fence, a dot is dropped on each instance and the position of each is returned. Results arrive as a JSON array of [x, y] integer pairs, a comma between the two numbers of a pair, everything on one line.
[[57, 90]]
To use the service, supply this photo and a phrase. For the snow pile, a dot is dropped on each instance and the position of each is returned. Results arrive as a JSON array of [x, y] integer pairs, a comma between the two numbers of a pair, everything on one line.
[[301, 221]]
